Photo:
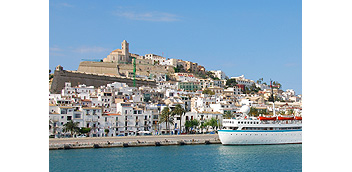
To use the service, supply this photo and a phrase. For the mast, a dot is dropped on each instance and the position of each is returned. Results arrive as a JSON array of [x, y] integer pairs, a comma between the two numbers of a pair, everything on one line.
[[272, 97]]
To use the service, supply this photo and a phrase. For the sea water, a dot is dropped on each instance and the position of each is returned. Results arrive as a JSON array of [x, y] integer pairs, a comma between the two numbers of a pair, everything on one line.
[[180, 158]]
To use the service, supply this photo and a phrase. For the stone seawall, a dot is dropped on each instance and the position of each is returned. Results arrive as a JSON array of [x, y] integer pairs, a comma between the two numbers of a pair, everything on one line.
[[91, 79], [130, 144], [133, 141]]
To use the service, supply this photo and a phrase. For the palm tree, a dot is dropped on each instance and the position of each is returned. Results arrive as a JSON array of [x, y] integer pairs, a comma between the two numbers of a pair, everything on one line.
[[167, 117], [178, 110], [71, 126]]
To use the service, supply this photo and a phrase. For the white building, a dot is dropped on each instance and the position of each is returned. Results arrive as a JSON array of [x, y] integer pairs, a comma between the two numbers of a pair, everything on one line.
[[85, 116], [219, 74], [206, 83], [155, 59], [243, 81], [182, 77], [202, 103], [133, 119], [233, 90]]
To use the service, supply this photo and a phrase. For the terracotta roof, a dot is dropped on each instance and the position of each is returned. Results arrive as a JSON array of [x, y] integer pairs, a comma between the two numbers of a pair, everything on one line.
[[66, 107], [91, 108], [211, 112], [117, 50], [112, 114]]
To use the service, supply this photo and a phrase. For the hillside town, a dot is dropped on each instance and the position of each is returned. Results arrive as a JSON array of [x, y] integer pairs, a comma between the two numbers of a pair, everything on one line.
[[189, 99]]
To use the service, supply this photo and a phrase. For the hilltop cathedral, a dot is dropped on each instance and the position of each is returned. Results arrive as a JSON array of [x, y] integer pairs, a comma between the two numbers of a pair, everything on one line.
[[120, 55]]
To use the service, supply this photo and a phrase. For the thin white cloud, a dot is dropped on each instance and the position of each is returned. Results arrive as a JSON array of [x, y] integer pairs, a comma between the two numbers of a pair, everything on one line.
[[64, 4], [90, 49], [55, 49], [149, 16], [290, 64]]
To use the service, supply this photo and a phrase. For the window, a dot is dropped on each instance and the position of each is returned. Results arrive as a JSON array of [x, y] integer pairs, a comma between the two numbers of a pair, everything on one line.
[[77, 115], [63, 111]]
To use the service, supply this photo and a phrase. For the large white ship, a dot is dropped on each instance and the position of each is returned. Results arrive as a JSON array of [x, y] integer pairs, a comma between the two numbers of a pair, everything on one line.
[[246, 130]]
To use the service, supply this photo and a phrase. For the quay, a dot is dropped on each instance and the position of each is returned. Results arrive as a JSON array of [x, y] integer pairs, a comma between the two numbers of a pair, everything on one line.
[[132, 141]]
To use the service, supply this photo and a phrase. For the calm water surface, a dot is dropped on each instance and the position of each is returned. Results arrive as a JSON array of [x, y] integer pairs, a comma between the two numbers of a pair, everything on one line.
[[180, 158]]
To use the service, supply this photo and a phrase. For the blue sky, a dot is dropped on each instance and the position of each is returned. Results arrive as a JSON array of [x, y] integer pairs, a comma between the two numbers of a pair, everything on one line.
[[255, 38]]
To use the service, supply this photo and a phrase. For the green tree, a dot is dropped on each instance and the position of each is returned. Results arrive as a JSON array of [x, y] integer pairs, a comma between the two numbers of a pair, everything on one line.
[[228, 115], [106, 131], [191, 124], [253, 89], [166, 117], [263, 111], [84, 130], [205, 125], [207, 91], [290, 112], [277, 84], [71, 126], [282, 112], [231, 82], [178, 110], [253, 111], [167, 77], [213, 123]]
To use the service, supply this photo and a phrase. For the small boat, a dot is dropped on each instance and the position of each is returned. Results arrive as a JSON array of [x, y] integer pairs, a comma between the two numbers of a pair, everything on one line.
[[262, 118], [298, 118], [285, 118]]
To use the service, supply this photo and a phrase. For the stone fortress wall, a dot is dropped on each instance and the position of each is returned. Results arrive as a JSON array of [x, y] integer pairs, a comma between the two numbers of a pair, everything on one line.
[[90, 79], [142, 68]]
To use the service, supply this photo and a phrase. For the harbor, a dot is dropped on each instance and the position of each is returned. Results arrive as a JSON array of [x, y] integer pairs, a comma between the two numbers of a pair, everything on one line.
[[132, 141]]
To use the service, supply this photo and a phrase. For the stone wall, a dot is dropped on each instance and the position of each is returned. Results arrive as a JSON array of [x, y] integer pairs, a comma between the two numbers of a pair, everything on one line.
[[143, 67], [91, 79], [99, 67]]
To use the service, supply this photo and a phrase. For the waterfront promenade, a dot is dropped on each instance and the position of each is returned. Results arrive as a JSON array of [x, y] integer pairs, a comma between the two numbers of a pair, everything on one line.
[[133, 141]]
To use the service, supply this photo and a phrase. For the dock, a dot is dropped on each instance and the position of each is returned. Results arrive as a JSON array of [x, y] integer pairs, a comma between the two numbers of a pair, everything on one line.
[[132, 141]]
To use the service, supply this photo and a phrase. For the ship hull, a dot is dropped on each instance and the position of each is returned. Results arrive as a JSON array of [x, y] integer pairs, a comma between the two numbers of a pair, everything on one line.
[[260, 137]]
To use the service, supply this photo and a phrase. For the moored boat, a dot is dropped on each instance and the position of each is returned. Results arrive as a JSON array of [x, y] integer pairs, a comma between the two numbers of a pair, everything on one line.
[[285, 118], [267, 118], [246, 130]]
